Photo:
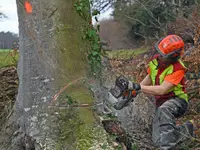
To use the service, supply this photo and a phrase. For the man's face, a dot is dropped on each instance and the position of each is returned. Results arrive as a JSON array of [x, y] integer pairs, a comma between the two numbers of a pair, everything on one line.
[[163, 60]]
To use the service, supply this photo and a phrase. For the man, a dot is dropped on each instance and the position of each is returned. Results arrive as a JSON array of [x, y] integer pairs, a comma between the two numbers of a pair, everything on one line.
[[165, 80]]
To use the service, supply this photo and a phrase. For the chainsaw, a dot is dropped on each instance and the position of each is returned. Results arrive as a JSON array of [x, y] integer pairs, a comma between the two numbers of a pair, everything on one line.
[[120, 96]]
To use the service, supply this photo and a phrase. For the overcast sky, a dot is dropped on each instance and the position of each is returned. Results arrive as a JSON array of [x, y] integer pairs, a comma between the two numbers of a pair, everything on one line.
[[11, 23]]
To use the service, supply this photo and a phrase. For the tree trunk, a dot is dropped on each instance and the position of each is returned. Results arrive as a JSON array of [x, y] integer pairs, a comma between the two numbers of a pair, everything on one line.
[[52, 55]]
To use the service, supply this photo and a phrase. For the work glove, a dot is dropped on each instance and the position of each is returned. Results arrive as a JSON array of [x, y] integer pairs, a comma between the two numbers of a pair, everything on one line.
[[134, 86]]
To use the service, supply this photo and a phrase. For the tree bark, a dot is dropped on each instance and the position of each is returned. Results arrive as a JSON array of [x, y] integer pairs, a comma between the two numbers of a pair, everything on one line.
[[52, 55]]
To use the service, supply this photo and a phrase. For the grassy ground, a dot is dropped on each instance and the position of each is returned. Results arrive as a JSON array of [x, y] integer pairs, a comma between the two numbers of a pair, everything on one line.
[[125, 53], [8, 57]]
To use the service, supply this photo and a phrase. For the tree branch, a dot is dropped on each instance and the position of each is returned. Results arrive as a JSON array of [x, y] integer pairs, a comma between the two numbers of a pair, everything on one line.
[[135, 20]]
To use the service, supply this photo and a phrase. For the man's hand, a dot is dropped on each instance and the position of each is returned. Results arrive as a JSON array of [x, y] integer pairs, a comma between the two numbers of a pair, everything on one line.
[[134, 86], [133, 90]]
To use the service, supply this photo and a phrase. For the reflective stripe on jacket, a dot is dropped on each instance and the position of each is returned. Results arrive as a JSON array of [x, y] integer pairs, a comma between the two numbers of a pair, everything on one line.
[[158, 76]]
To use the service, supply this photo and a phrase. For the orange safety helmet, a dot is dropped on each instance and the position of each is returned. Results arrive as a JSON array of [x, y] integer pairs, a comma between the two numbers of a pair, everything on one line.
[[170, 47]]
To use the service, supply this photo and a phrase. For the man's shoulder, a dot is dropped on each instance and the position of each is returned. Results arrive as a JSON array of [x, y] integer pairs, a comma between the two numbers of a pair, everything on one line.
[[179, 65], [154, 57]]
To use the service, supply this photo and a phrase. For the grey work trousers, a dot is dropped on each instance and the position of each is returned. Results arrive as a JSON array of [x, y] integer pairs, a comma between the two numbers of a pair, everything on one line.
[[165, 132]]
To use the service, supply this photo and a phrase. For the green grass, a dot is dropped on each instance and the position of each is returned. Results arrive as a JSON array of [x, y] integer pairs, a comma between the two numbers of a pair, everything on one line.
[[126, 53], [5, 50], [7, 58]]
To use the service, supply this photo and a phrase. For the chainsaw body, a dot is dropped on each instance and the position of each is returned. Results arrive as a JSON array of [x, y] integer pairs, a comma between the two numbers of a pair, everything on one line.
[[113, 103], [121, 95]]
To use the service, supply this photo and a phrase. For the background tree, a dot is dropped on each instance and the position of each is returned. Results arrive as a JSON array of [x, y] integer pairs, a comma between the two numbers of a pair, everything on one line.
[[149, 19], [53, 78], [2, 15], [8, 40]]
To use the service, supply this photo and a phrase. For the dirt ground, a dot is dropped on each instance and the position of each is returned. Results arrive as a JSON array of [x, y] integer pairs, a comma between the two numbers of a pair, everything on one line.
[[8, 91]]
